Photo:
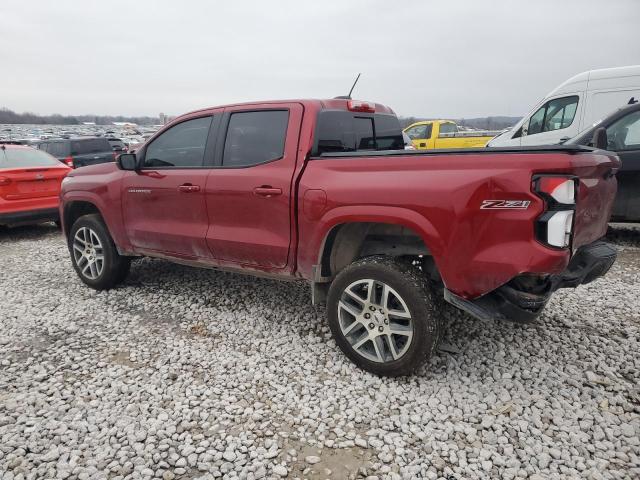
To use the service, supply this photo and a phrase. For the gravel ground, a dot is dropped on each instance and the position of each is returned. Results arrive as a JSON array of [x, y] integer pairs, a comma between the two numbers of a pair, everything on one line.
[[186, 373]]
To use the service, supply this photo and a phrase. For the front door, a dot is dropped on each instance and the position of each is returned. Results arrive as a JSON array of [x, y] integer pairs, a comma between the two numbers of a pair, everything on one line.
[[420, 135], [624, 138], [554, 122], [249, 193], [163, 204]]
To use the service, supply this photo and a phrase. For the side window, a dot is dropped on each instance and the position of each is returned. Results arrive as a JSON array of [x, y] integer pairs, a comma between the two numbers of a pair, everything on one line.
[[535, 122], [624, 134], [556, 114], [255, 137], [418, 132], [448, 128], [181, 146]]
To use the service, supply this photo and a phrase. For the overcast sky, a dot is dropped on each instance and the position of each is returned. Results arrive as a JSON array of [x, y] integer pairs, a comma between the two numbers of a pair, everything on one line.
[[425, 58]]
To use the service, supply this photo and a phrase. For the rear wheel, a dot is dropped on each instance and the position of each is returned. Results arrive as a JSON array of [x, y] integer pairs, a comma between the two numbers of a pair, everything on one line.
[[94, 255], [384, 316]]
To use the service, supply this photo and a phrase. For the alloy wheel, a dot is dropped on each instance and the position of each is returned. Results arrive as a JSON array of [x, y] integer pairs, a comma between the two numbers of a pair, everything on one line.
[[88, 253], [375, 320]]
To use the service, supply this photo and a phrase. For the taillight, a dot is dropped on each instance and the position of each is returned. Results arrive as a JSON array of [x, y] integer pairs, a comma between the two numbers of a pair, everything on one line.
[[68, 161], [4, 181], [555, 226], [360, 106]]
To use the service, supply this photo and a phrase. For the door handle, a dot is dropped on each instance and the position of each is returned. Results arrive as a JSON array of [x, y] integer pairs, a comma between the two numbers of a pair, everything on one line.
[[188, 188], [267, 191], [423, 144]]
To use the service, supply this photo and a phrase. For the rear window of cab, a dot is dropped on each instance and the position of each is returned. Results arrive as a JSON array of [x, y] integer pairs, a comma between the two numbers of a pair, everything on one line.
[[343, 131]]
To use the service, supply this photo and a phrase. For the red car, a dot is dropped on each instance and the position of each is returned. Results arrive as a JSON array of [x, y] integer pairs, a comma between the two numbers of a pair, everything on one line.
[[30, 182], [323, 191]]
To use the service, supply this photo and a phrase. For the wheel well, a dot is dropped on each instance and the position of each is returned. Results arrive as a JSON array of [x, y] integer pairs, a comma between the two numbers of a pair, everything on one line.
[[75, 210], [346, 243]]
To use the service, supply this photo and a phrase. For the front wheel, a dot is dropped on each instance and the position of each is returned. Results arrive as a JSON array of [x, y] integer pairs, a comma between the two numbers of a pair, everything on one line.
[[94, 255], [383, 315]]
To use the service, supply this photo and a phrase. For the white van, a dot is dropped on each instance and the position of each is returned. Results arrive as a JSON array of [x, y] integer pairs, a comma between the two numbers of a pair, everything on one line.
[[575, 105]]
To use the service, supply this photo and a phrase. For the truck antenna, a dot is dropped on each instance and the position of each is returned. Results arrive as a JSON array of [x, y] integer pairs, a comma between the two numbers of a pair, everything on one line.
[[348, 97], [354, 85]]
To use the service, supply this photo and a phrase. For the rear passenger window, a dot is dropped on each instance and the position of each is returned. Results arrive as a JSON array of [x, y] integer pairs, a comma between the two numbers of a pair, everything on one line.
[[448, 128], [181, 146], [255, 137]]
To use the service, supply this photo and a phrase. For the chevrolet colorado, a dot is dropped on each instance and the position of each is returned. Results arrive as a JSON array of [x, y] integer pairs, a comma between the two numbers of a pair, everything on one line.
[[323, 191]]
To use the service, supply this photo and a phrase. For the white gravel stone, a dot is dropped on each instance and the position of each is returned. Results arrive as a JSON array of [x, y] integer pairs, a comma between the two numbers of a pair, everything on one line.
[[201, 374], [280, 470]]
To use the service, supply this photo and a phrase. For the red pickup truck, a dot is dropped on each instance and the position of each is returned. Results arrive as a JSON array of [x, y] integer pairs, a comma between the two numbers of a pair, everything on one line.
[[323, 191]]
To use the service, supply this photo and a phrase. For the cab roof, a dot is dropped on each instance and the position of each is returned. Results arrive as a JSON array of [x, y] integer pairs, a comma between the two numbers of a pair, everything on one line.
[[319, 104]]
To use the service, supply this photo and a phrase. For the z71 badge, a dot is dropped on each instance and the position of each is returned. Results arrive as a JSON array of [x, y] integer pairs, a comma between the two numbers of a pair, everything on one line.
[[502, 204]]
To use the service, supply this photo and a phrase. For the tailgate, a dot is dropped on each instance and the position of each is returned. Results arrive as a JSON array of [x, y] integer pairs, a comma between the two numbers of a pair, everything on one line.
[[36, 182], [596, 194]]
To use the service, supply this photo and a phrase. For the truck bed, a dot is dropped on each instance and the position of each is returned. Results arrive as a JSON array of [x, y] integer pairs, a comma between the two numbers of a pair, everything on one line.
[[465, 151], [439, 193]]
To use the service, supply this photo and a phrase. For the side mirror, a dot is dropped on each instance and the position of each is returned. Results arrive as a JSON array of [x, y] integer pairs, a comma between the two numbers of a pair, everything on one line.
[[127, 161], [600, 140]]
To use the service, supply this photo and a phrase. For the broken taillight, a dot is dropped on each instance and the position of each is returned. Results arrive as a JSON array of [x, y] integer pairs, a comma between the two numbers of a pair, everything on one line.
[[555, 226]]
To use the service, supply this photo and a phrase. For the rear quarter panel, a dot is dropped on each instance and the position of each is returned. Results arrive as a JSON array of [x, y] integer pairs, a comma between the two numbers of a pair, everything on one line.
[[439, 197]]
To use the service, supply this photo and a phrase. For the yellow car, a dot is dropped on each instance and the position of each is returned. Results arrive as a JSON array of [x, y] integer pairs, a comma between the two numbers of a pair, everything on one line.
[[445, 134]]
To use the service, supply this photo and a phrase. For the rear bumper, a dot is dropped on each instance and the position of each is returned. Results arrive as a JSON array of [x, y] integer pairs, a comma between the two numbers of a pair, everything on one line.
[[29, 216], [524, 297]]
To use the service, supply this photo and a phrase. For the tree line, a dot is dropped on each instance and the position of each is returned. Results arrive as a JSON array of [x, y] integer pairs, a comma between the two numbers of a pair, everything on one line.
[[9, 116]]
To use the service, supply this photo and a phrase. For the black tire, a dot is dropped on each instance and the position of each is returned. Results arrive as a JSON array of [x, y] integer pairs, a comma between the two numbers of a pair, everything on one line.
[[115, 267], [420, 299]]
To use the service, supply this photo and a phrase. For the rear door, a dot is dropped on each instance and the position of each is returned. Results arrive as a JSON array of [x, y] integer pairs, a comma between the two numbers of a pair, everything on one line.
[[163, 203], [249, 193]]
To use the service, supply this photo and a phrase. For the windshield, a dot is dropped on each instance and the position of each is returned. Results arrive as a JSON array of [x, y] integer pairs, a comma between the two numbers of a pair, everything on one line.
[[26, 157]]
